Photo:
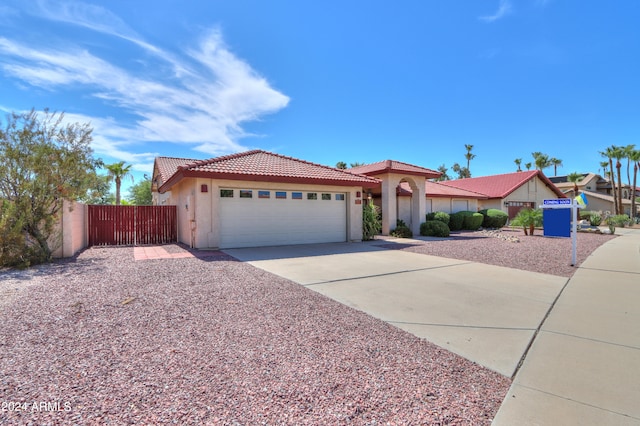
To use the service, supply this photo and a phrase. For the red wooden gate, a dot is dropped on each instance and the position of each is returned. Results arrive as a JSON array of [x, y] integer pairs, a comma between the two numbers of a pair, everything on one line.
[[132, 225]]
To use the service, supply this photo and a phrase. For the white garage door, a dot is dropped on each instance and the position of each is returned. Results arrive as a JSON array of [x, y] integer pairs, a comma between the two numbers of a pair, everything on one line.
[[254, 217]]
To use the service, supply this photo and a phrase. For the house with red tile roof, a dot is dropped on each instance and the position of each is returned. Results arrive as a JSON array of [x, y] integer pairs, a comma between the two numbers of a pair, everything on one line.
[[258, 198], [508, 192]]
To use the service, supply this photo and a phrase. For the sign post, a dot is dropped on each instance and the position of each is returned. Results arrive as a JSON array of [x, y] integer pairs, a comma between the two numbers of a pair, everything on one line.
[[560, 221]]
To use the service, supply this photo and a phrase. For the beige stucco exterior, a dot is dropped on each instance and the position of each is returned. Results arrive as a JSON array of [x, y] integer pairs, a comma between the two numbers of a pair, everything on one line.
[[199, 212], [533, 190], [451, 205], [71, 235]]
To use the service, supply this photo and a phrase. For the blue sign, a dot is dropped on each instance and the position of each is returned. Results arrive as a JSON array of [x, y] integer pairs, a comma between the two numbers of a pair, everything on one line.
[[557, 202], [557, 222]]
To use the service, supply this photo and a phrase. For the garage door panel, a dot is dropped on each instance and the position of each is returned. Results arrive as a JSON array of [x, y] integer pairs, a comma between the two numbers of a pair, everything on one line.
[[247, 222]]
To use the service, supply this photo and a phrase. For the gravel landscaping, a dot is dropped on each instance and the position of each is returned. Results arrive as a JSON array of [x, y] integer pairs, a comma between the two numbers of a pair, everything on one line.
[[102, 339], [531, 253]]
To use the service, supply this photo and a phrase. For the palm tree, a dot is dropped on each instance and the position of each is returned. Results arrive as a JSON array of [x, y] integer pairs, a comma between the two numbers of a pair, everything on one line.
[[618, 154], [118, 171], [341, 165], [634, 156], [541, 160], [575, 177], [469, 156], [628, 150], [518, 161], [609, 153], [528, 165], [604, 165], [555, 162]]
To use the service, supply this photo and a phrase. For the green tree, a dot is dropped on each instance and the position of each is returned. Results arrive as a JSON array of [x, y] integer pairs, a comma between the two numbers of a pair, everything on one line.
[[140, 193], [371, 224], [100, 193], [518, 162], [627, 151], [555, 162], [356, 164], [528, 165], [42, 162], [610, 153], [574, 177], [119, 171], [469, 156], [619, 154], [341, 165], [604, 165], [528, 219], [444, 176], [462, 172], [541, 160]]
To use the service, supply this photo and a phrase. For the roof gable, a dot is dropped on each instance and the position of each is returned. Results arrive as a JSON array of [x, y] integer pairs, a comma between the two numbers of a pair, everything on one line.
[[258, 165], [500, 186], [392, 166]]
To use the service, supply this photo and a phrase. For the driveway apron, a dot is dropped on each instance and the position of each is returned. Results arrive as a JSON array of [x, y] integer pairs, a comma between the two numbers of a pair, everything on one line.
[[487, 314]]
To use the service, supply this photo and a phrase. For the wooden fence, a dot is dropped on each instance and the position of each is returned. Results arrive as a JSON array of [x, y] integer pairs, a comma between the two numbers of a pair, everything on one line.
[[132, 225]]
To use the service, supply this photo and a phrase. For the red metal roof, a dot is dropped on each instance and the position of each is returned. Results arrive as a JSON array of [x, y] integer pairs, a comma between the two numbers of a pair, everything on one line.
[[500, 186], [265, 166], [392, 166]]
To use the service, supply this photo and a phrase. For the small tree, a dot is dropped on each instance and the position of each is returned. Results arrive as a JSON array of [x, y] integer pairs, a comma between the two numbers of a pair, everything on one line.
[[42, 163], [371, 225], [140, 193], [555, 162], [341, 165], [119, 171], [528, 219], [528, 165], [518, 162], [443, 176]]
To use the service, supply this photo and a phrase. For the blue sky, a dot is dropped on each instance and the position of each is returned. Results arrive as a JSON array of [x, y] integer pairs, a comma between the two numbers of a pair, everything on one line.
[[330, 81]]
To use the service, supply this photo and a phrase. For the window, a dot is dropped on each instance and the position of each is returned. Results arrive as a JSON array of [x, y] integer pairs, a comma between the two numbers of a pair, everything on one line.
[[296, 195], [312, 196], [264, 194], [226, 193], [246, 193], [326, 197], [281, 195], [339, 197]]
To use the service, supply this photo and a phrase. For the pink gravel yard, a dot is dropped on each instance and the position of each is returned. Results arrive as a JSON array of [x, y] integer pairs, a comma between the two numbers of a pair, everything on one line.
[[208, 340]]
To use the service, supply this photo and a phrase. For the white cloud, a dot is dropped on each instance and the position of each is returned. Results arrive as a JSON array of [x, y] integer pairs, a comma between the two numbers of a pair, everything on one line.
[[504, 8], [203, 100]]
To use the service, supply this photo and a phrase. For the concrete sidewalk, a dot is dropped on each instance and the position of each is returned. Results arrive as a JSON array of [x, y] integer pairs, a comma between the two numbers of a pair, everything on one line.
[[583, 367], [485, 313]]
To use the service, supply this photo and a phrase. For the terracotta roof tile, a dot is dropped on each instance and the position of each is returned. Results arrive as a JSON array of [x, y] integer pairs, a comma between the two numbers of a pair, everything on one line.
[[499, 186], [392, 166], [435, 190], [165, 167], [260, 165]]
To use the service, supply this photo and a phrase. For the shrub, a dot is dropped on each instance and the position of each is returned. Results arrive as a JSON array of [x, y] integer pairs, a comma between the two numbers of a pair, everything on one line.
[[473, 221], [402, 230], [442, 217], [595, 219], [586, 214], [494, 218], [371, 225], [619, 220], [456, 221], [431, 216], [434, 228], [528, 219]]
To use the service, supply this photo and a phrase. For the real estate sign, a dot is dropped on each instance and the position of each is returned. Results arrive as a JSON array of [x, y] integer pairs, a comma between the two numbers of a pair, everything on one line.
[[557, 217]]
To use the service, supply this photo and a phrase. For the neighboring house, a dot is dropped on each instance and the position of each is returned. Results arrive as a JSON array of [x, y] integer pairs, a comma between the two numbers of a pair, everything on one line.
[[508, 192], [257, 198], [597, 188]]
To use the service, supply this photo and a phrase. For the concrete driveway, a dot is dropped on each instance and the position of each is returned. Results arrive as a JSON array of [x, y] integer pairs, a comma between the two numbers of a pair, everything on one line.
[[488, 314]]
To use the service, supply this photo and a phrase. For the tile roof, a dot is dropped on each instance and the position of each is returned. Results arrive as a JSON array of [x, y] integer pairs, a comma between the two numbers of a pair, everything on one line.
[[435, 190], [392, 166], [165, 167], [258, 165], [500, 186]]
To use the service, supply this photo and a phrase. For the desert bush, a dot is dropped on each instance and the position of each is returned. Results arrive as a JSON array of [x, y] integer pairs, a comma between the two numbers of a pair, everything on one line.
[[494, 218], [586, 214], [434, 228], [442, 217], [402, 230], [619, 220], [595, 219], [473, 221], [371, 223], [528, 219], [430, 216], [456, 221]]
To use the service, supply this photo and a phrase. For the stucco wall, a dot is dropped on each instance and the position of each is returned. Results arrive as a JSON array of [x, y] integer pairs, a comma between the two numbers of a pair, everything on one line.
[[71, 231], [199, 210], [453, 205]]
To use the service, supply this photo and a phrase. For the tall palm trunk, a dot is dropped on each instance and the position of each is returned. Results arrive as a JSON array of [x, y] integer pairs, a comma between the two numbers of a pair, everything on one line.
[[613, 187], [633, 193], [618, 167]]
